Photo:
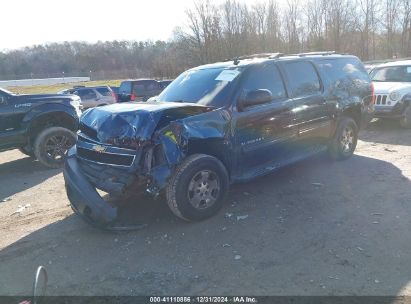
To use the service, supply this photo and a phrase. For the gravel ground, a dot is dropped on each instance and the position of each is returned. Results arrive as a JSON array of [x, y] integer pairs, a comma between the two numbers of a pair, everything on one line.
[[314, 228]]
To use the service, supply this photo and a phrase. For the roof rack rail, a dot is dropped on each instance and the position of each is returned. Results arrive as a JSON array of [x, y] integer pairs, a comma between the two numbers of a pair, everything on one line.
[[325, 53], [236, 60], [260, 55]]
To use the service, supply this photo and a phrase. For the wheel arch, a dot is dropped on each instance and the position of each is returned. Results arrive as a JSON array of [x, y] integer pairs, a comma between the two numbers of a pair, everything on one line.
[[354, 112], [215, 147], [60, 118]]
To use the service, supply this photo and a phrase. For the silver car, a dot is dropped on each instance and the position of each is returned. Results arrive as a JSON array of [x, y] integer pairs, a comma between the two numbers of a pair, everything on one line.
[[93, 96]]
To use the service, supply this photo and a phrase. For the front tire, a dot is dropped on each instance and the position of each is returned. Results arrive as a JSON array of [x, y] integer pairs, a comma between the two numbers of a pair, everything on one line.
[[345, 139], [198, 187], [52, 144]]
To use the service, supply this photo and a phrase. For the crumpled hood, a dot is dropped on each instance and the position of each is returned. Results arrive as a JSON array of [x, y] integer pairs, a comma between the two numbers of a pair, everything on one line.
[[131, 124], [389, 87]]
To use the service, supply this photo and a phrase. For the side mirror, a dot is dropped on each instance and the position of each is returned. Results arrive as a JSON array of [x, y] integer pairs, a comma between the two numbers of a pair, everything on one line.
[[256, 97]]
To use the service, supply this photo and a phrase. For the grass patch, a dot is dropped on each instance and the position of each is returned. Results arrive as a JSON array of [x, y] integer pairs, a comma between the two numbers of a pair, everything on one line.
[[50, 89]]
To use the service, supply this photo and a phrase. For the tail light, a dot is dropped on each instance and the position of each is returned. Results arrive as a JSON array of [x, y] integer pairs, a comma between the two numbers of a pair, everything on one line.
[[133, 97], [114, 96], [372, 94]]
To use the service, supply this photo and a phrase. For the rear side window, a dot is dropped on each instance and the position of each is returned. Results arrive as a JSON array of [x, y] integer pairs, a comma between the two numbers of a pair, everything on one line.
[[86, 94], [265, 77], [139, 89], [125, 88], [344, 71], [104, 91], [302, 78], [164, 84], [153, 85]]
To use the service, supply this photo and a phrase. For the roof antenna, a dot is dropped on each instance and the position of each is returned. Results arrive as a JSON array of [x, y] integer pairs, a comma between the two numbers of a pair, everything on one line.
[[236, 61]]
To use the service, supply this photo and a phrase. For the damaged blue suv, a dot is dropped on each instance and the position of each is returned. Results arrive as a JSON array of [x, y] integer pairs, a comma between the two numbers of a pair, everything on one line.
[[216, 125]]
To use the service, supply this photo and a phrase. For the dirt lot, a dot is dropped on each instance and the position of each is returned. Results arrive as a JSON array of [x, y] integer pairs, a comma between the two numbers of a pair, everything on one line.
[[315, 228]]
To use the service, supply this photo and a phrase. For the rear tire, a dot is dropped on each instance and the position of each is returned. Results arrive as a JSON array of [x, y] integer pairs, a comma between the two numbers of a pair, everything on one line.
[[405, 121], [198, 187], [345, 139], [52, 144]]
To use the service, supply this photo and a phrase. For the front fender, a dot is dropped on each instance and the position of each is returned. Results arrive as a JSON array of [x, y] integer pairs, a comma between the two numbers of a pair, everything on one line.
[[207, 133]]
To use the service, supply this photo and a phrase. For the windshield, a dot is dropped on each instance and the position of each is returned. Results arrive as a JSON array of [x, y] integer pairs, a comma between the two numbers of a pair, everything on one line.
[[392, 74], [209, 87]]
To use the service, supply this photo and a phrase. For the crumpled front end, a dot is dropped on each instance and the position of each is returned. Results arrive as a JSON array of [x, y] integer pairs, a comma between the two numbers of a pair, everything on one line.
[[120, 152], [83, 196]]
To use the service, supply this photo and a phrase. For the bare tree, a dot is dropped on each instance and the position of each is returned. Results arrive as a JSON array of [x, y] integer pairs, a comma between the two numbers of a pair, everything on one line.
[[406, 27], [370, 29], [291, 22]]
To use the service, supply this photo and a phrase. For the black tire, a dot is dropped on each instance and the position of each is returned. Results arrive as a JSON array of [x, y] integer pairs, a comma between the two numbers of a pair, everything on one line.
[[405, 121], [26, 151], [343, 145], [184, 188], [52, 144]]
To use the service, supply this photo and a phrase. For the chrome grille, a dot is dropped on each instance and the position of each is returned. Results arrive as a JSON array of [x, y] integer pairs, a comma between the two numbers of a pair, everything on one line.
[[105, 158], [89, 150], [381, 100]]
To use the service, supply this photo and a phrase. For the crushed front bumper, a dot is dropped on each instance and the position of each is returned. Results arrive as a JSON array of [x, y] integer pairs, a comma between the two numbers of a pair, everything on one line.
[[83, 197]]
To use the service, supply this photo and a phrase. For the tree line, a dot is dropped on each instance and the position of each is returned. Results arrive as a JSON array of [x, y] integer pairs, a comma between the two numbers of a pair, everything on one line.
[[369, 29]]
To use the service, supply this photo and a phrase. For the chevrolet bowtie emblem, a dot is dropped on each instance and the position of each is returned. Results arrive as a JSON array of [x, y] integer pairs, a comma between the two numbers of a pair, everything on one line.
[[99, 149]]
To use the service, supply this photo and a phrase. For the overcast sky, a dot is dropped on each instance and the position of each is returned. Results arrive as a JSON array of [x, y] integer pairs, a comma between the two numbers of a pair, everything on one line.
[[28, 22]]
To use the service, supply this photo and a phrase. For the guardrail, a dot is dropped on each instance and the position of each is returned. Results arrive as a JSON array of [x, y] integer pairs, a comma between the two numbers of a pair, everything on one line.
[[43, 81]]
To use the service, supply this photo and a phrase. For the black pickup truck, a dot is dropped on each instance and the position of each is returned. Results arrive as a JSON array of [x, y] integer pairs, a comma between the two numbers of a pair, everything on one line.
[[41, 126], [215, 125]]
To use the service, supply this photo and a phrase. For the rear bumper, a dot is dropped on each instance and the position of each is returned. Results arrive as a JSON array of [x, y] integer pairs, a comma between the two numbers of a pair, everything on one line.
[[83, 197]]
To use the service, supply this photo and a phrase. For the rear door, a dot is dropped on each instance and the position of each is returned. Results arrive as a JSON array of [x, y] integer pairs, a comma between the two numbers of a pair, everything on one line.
[[12, 111], [313, 117], [263, 132], [4, 112], [106, 95]]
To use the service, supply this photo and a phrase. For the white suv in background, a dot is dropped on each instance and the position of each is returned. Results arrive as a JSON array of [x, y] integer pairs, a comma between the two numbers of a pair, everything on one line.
[[392, 85], [93, 96]]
